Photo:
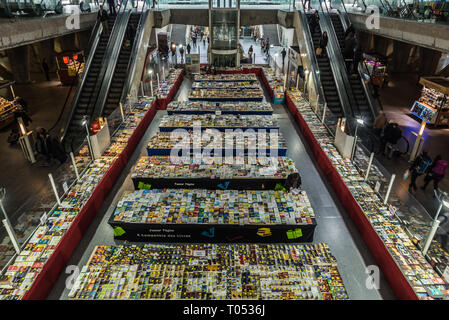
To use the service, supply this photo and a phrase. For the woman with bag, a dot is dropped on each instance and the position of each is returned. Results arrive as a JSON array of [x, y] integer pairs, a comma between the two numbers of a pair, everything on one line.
[[437, 172], [323, 44]]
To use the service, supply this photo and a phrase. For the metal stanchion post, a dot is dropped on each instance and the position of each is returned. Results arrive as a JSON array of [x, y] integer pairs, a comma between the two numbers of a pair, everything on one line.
[[75, 168], [121, 112], [371, 158], [53, 185], [390, 186], [324, 112]]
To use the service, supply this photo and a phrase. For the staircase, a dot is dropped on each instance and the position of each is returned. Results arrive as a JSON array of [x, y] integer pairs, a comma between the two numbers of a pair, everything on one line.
[[271, 31], [178, 33]]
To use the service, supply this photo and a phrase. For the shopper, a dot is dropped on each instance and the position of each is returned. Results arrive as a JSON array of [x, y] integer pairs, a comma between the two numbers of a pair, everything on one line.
[[204, 40], [43, 145], [194, 39], [314, 22], [293, 181], [350, 31], [188, 48], [102, 16], [379, 123], [262, 44], [358, 55], [57, 150], [349, 46], [21, 101], [181, 52], [111, 5], [442, 234], [323, 43], [13, 136], [46, 69], [267, 46], [250, 54], [283, 53], [392, 134], [131, 34], [438, 170], [419, 167]]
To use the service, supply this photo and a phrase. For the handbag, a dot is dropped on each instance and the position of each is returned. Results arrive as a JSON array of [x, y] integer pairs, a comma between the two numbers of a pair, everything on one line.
[[318, 51], [406, 174]]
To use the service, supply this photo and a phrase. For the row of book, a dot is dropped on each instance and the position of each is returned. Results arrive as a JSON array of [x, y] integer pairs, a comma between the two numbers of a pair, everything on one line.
[[211, 272], [271, 139], [219, 121], [197, 206], [424, 280], [22, 273], [212, 107], [226, 77], [253, 167]]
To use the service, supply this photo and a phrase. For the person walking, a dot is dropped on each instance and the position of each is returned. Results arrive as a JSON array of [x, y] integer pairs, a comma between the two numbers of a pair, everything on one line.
[[102, 16], [283, 53], [188, 48], [262, 45], [111, 4], [350, 31], [204, 40], [21, 101], [194, 39], [437, 173], [57, 150], [267, 46], [46, 69], [419, 167], [250, 54], [43, 145], [181, 52]]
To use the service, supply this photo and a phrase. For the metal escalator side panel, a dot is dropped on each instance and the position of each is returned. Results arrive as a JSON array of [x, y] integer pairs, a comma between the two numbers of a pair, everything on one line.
[[337, 65], [93, 46], [138, 42], [110, 61]]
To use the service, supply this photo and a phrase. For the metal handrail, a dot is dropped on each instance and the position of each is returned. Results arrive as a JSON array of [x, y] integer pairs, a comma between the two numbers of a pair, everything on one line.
[[112, 55], [311, 53], [92, 46], [132, 62], [342, 86]]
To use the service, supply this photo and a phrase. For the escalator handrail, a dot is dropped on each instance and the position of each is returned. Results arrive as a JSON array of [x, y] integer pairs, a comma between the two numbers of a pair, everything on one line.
[[132, 62], [373, 103], [92, 47], [311, 53], [113, 58], [337, 66], [105, 61]]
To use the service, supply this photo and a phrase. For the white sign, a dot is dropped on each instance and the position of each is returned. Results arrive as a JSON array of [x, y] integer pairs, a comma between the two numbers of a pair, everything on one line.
[[377, 187], [199, 253], [43, 218], [65, 186], [218, 112], [446, 274]]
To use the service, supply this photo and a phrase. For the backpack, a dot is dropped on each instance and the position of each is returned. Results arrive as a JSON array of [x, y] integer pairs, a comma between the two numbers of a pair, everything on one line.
[[424, 165], [440, 167]]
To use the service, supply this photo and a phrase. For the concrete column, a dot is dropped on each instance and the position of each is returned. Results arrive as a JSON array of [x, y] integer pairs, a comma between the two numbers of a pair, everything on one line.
[[83, 39], [67, 42], [429, 61], [401, 54], [19, 59]]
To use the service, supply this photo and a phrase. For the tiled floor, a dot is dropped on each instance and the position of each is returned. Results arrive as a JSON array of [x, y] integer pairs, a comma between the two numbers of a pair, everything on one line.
[[334, 225]]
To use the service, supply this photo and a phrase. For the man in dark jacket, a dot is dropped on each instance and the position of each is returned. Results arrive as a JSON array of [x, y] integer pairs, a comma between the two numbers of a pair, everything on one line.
[[420, 165], [188, 48], [111, 4], [46, 69], [102, 16], [284, 53]]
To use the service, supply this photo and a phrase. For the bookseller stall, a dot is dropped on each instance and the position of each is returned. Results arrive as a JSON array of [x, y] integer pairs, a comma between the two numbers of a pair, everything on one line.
[[433, 105], [220, 216], [168, 87], [70, 66], [212, 272], [37, 267], [219, 122], [408, 272], [163, 143], [241, 173], [7, 106], [203, 107]]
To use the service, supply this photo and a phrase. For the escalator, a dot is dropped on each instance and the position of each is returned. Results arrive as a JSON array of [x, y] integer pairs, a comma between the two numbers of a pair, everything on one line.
[[87, 92], [327, 77], [121, 70], [360, 97]]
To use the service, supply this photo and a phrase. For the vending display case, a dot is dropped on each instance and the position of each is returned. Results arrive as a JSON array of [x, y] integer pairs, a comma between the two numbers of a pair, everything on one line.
[[70, 66], [433, 105]]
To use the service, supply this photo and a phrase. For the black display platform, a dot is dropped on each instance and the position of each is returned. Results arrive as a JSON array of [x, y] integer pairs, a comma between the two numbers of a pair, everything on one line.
[[167, 152], [208, 183], [259, 113], [213, 233], [244, 129]]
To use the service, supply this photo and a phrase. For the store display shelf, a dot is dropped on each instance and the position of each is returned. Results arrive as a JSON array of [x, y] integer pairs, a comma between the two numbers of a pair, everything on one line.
[[221, 152], [209, 183], [226, 77], [408, 273], [211, 272], [224, 99]]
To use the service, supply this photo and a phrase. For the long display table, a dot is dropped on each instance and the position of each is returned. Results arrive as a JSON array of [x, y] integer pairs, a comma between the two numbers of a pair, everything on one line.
[[167, 152]]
